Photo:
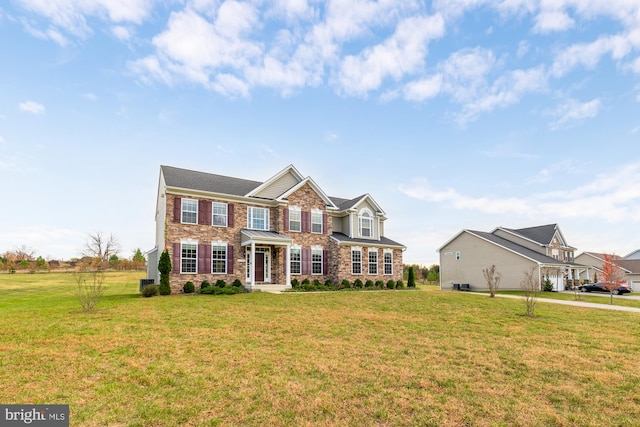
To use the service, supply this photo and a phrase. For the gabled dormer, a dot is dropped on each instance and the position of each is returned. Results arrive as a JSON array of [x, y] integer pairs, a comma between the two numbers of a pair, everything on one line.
[[359, 218], [275, 186]]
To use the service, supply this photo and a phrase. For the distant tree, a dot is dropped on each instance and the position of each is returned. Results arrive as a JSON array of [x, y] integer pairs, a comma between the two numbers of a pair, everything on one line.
[[114, 262], [101, 246], [164, 267], [411, 280], [612, 275], [24, 253], [492, 277], [530, 287], [41, 264], [138, 259]]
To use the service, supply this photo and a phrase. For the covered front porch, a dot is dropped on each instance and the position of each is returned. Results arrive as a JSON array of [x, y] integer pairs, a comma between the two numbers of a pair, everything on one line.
[[266, 256]]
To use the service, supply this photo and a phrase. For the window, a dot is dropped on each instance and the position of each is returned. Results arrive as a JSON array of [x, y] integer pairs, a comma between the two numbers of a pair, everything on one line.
[[316, 261], [258, 218], [219, 258], [189, 211], [295, 261], [316, 221], [356, 261], [388, 262], [555, 253], [295, 219], [220, 214], [457, 255], [365, 222], [188, 258], [373, 261]]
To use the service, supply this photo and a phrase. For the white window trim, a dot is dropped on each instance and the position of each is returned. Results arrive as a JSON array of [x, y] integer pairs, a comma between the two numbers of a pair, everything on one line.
[[317, 212], [250, 211], [299, 262], [384, 262], [317, 249], [356, 249], [213, 214], [182, 211], [369, 219], [369, 251], [297, 210], [220, 243], [189, 242]]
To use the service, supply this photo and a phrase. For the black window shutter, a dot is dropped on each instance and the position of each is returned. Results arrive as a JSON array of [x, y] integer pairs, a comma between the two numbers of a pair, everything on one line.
[[176, 258], [230, 215], [229, 259], [177, 209], [306, 261], [325, 262]]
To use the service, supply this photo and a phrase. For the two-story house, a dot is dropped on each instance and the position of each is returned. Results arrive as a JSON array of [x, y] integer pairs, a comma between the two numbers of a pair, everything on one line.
[[512, 251], [267, 233]]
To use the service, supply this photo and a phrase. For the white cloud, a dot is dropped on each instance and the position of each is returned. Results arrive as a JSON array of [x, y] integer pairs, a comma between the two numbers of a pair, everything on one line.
[[572, 112], [602, 198], [91, 96], [121, 32], [552, 20], [423, 89], [31, 107], [402, 53]]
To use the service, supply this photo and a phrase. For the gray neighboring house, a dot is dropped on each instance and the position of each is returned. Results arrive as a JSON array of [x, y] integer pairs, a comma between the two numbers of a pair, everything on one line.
[[630, 267], [633, 255], [512, 251]]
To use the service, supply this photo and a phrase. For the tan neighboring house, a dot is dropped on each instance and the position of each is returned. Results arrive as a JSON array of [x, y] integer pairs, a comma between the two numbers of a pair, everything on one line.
[[512, 251], [267, 233], [630, 265]]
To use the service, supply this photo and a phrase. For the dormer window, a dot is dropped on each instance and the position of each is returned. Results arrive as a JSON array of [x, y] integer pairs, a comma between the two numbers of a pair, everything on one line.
[[365, 223]]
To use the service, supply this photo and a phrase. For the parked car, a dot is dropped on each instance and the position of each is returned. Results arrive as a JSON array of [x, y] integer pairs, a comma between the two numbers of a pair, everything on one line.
[[601, 287]]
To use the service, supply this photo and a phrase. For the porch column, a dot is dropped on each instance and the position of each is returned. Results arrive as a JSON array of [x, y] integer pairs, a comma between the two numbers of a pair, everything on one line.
[[252, 270], [287, 267]]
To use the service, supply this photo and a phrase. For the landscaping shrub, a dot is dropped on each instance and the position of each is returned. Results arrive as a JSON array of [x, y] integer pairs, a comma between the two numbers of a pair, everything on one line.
[[345, 284], [328, 283], [220, 283], [149, 291], [295, 284], [306, 282], [357, 284], [399, 284], [205, 284], [237, 283], [391, 284], [317, 283], [548, 286], [379, 284], [229, 290], [368, 284], [164, 267], [411, 279], [188, 288], [211, 290]]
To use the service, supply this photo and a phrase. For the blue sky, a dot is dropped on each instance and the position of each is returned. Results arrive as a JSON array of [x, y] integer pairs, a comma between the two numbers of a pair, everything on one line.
[[452, 114]]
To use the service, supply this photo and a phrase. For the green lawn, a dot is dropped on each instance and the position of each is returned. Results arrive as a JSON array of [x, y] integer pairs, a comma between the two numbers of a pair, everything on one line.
[[424, 357]]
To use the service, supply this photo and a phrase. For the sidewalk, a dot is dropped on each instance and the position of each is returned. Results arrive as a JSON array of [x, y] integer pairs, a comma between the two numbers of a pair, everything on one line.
[[573, 303]]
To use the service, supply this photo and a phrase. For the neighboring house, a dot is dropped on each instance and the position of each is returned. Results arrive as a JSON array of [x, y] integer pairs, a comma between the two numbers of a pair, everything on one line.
[[629, 266], [512, 251], [633, 255], [267, 233]]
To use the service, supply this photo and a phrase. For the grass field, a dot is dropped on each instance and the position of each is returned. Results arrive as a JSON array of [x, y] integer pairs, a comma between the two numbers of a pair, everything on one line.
[[422, 357]]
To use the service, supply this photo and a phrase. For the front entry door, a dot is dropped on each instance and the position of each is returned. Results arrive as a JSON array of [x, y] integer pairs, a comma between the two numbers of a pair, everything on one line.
[[259, 269]]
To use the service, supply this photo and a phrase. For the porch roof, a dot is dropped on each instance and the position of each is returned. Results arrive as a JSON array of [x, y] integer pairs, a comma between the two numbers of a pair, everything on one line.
[[260, 237]]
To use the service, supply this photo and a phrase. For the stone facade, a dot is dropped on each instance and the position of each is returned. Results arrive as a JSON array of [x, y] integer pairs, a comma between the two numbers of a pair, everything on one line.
[[336, 255]]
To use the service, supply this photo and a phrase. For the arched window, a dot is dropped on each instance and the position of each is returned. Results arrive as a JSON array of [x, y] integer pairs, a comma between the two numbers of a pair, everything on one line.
[[365, 223]]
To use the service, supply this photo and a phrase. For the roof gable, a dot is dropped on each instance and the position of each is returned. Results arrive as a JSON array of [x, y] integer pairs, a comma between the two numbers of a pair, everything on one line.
[[277, 184], [314, 187], [357, 203]]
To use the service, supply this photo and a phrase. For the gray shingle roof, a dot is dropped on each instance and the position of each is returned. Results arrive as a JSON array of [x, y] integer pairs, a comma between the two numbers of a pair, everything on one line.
[[344, 204], [541, 234], [201, 181], [382, 242], [529, 253]]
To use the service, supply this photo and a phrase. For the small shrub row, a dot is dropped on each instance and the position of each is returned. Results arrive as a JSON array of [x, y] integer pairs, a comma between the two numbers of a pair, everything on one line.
[[221, 288], [316, 285]]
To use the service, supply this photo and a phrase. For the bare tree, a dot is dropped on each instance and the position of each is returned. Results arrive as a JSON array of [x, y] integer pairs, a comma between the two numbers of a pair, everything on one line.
[[101, 246], [530, 287], [90, 287], [493, 277]]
